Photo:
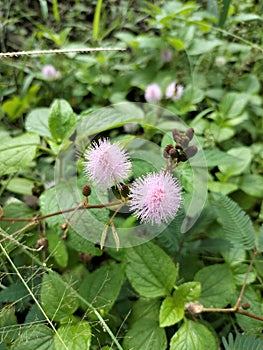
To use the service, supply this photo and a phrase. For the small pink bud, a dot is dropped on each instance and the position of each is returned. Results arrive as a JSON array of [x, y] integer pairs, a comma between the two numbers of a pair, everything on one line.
[[153, 93]]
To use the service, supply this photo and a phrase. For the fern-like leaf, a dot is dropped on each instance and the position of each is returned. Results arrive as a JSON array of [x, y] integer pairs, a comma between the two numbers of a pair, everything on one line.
[[237, 226], [242, 342]]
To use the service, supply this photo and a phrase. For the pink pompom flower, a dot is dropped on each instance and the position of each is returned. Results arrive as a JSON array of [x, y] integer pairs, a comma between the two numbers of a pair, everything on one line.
[[49, 72], [155, 198], [107, 164], [153, 93], [174, 91]]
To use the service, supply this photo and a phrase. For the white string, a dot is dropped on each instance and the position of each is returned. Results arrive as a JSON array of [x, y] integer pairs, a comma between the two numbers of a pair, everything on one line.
[[58, 51]]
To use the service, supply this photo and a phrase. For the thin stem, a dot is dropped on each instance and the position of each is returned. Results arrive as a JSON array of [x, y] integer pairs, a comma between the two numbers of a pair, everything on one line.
[[42, 217], [32, 295], [245, 281]]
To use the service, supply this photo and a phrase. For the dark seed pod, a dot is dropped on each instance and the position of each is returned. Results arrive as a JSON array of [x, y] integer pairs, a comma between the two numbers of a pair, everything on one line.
[[173, 153], [184, 142], [86, 190], [167, 150], [190, 133], [176, 135], [245, 305], [182, 157], [190, 151]]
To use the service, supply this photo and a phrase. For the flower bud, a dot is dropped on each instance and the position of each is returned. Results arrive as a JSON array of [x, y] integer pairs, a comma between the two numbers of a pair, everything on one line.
[[190, 133], [166, 150], [176, 135], [245, 305], [173, 153], [190, 151], [184, 142], [86, 190]]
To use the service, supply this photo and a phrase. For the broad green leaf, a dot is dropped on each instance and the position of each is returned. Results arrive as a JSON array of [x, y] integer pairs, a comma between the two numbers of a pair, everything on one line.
[[102, 287], [247, 324], [216, 157], [20, 185], [61, 120], [189, 291], [233, 104], [87, 223], [172, 308], [217, 285], [222, 187], [109, 118], [58, 298], [252, 184], [75, 337], [237, 226], [234, 256], [14, 107], [193, 336], [57, 248], [241, 162], [150, 270], [37, 121], [201, 46], [38, 337], [176, 43], [16, 210], [145, 334], [172, 311], [239, 273], [16, 153]]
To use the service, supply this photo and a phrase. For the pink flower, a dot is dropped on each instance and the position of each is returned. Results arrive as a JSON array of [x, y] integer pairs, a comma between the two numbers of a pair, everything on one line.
[[166, 55], [153, 93], [155, 198], [174, 91], [107, 163], [49, 72]]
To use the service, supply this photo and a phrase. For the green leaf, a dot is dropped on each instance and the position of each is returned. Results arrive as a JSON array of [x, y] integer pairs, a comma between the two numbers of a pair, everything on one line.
[[242, 342], [176, 43], [201, 46], [237, 226], [217, 284], [61, 120], [172, 311], [102, 287], [57, 248], [193, 336], [145, 335], [233, 104], [189, 291], [14, 107], [150, 270], [216, 157], [16, 210], [252, 184], [37, 121], [222, 187], [58, 298], [248, 324], [38, 337], [20, 185], [109, 118], [75, 337], [239, 273], [16, 153]]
